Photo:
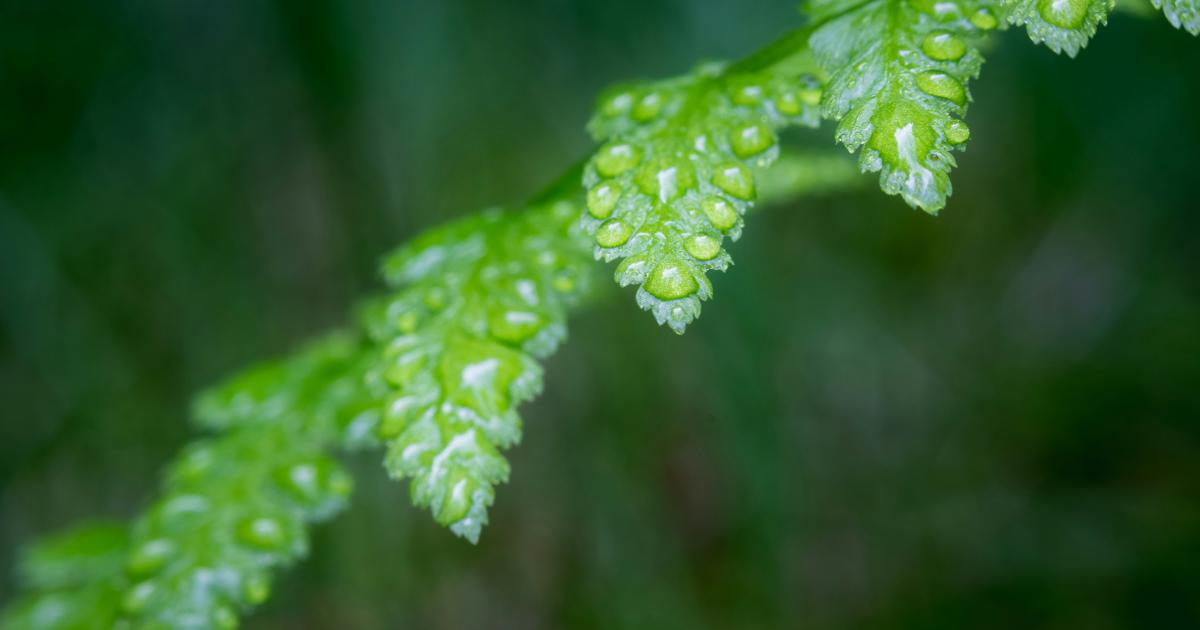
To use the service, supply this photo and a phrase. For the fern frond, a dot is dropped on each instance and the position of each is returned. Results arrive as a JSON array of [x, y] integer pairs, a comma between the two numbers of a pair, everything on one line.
[[437, 375], [236, 506], [479, 303], [898, 72], [1062, 25], [673, 176], [75, 578], [1182, 14]]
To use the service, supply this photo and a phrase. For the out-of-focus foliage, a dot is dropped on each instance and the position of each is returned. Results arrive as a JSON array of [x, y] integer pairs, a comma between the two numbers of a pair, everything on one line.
[[76, 577], [888, 422], [454, 352], [1182, 14], [234, 507]]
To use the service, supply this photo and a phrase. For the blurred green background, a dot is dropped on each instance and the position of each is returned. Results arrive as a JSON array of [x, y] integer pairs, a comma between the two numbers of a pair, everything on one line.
[[884, 420]]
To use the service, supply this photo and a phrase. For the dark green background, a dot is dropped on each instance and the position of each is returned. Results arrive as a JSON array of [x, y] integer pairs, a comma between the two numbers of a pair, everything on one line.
[[988, 419]]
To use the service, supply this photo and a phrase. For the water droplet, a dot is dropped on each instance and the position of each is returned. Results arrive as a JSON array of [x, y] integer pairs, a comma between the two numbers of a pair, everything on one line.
[[197, 462], [734, 179], [942, 85], [665, 178], [788, 104], [138, 597], [392, 425], [751, 140], [720, 212], [747, 93], [632, 269], [943, 46], [602, 200], [458, 499], [514, 325], [407, 322], [648, 106], [702, 246], [262, 532], [150, 557], [257, 588], [957, 132], [945, 11], [435, 298], [671, 280], [1069, 14], [984, 19], [810, 90], [614, 159], [564, 282], [184, 506], [613, 233], [303, 480], [617, 104]]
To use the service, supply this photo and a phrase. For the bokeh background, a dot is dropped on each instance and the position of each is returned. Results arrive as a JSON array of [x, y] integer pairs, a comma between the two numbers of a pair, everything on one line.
[[886, 420]]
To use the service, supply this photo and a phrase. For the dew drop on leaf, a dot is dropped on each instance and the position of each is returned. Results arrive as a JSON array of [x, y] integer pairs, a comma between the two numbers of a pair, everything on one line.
[[1067, 14], [734, 179], [613, 233], [138, 597], [984, 19], [702, 246], [751, 140], [670, 280], [720, 212], [957, 132], [602, 199], [150, 557], [617, 104], [648, 106], [747, 93], [262, 532], [666, 179], [614, 159], [942, 85], [943, 46]]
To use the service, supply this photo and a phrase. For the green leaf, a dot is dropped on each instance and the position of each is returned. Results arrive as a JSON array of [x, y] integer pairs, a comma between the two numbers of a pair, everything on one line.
[[1062, 25], [77, 556], [898, 73], [673, 176], [89, 606], [479, 302], [237, 506], [1182, 14], [75, 575]]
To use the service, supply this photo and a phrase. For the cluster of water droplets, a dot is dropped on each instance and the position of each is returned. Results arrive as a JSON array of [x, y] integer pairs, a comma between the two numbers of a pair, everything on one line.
[[1062, 25], [673, 176], [1182, 14], [902, 102], [477, 305], [236, 506]]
